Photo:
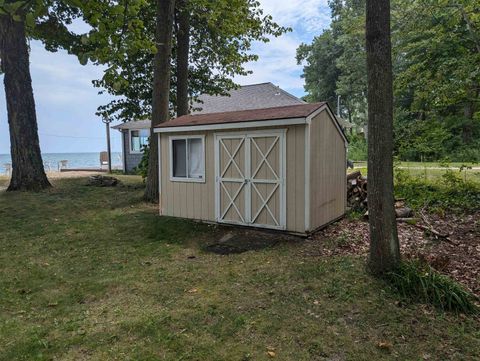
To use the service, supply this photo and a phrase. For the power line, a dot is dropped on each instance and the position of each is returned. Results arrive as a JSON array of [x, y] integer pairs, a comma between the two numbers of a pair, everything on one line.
[[69, 136]]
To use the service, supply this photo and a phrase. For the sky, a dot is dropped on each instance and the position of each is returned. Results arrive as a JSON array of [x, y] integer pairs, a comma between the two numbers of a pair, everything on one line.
[[66, 100]]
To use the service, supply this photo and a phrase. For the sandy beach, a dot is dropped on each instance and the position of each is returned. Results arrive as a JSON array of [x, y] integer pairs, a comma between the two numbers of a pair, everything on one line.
[[52, 176]]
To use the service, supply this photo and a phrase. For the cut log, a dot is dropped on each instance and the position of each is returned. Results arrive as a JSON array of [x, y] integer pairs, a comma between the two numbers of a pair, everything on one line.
[[102, 181], [354, 175], [403, 212]]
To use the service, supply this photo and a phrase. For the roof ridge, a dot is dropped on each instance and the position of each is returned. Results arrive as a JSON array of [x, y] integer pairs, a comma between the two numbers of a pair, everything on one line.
[[267, 82], [291, 95]]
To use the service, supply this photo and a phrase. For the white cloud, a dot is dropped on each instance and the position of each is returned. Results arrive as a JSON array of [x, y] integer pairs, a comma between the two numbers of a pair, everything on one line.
[[277, 62], [66, 100], [302, 15]]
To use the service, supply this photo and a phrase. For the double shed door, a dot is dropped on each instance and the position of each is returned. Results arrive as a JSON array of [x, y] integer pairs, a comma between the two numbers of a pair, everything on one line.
[[250, 178]]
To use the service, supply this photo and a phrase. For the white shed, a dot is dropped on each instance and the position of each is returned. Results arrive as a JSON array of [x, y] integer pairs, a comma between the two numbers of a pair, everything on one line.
[[281, 168]]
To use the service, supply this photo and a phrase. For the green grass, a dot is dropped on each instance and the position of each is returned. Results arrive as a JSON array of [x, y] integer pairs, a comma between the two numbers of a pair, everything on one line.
[[427, 164], [428, 174], [418, 281], [94, 273]]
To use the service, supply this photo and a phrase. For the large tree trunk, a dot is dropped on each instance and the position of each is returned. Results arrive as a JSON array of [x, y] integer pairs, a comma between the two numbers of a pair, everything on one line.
[[28, 172], [183, 46], [161, 90], [384, 246]]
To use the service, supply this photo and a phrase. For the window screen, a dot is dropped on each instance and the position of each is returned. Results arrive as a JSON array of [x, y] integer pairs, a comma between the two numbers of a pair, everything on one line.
[[179, 158], [188, 158]]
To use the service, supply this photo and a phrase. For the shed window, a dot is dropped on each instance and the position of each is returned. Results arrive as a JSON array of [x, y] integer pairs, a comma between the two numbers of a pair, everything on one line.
[[138, 139], [187, 159]]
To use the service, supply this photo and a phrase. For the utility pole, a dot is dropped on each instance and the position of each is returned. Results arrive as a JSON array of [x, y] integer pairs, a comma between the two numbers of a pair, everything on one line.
[[338, 105], [107, 122]]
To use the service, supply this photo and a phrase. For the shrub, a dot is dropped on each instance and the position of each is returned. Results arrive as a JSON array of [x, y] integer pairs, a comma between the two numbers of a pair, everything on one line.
[[357, 147], [420, 283], [142, 167], [450, 193]]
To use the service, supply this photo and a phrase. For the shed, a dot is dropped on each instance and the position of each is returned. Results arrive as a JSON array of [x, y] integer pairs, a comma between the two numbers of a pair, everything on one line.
[[281, 168]]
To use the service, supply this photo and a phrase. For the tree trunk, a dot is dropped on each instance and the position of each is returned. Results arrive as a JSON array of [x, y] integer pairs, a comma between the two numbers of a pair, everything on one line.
[[183, 46], [27, 165], [469, 110], [384, 245], [161, 90]]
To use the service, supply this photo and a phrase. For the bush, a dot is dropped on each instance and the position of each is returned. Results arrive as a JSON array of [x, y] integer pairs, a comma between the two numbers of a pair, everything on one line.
[[450, 193], [357, 147], [142, 167], [421, 283]]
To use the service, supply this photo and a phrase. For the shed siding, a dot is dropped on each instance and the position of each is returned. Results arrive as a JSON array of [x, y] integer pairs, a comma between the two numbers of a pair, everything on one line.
[[327, 171], [197, 200], [131, 160]]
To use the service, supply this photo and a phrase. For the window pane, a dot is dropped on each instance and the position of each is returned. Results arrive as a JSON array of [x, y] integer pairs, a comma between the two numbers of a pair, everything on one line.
[[135, 141], [179, 149], [195, 158], [144, 134]]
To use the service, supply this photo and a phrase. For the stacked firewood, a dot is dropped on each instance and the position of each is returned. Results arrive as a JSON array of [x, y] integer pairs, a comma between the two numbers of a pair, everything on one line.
[[357, 196], [357, 191]]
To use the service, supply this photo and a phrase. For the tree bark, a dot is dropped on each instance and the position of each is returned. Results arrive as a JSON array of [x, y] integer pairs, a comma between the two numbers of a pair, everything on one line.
[[28, 173], [183, 47], [161, 90], [384, 245]]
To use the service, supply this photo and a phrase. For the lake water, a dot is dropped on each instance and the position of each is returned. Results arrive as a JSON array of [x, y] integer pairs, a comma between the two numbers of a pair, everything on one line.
[[75, 160]]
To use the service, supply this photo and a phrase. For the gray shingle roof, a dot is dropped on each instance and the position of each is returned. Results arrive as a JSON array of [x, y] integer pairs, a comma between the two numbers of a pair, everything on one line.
[[134, 124], [254, 96]]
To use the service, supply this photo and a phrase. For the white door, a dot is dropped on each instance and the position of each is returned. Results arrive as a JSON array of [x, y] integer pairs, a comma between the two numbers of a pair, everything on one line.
[[250, 178]]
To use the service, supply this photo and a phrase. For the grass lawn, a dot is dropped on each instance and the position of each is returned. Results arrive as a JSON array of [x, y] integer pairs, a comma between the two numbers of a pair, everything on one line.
[[94, 273], [428, 171]]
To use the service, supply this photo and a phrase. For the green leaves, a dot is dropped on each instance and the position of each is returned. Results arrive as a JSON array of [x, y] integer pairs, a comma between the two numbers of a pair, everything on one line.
[[436, 62], [83, 58], [221, 36], [30, 20]]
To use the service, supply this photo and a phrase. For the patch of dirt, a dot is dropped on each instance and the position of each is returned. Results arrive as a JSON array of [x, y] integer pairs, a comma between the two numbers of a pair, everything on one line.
[[457, 257], [244, 240]]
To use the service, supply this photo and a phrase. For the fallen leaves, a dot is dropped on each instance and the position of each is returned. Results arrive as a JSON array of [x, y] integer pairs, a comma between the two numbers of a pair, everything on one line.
[[271, 352], [385, 345], [459, 259]]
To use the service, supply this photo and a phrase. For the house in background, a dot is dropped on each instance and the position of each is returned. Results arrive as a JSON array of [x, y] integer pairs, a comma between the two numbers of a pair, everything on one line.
[[279, 167], [248, 97]]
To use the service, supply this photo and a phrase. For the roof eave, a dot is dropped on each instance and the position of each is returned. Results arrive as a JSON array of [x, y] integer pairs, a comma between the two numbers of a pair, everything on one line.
[[233, 125]]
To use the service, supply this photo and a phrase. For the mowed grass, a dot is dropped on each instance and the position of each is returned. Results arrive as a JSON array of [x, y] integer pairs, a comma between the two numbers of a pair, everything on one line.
[[95, 274], [428, 172]]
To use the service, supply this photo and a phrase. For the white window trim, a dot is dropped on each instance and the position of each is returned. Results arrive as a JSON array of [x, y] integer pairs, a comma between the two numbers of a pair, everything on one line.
[[130, 151], [170, 145]]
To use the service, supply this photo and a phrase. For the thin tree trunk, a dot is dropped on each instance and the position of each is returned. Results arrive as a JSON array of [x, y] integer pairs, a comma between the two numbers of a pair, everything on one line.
[[183, 46], [384, 245], [161, 90], [27, 165]]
